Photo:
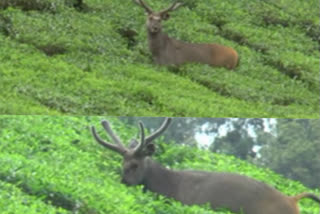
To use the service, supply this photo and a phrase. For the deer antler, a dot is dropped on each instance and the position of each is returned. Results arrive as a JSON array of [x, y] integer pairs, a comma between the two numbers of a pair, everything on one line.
[[119, 147], [160, 130], [145, 141], [144, 5], [141, 144], [173, 7]]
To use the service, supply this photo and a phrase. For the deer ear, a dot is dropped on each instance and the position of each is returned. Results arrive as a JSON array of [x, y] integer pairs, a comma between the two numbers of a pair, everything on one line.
[[150, 149], [165, 16]]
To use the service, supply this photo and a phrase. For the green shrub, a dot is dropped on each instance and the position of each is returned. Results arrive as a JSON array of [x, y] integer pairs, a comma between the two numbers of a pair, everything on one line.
[[53, 165], [65, 60]]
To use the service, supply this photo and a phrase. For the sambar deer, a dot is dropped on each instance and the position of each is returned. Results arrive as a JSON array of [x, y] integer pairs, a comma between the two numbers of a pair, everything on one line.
[[235, 192], [169, 51]]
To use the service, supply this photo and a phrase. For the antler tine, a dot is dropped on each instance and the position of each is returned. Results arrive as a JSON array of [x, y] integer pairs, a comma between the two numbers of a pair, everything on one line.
[[106, 144], [142, 138], [144, 5], [157, 133], [114, 137], [173, 7]]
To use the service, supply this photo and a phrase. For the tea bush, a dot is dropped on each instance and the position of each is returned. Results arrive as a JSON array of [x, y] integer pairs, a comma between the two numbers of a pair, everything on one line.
[[53, 165], [91, 57]]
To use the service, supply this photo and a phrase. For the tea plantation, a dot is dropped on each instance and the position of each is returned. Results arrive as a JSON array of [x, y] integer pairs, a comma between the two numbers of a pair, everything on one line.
[[53, 165], [91, 57]]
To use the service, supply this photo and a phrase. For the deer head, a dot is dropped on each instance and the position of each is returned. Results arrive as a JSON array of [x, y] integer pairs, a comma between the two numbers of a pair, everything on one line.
[[135, 156], [154, 18], [238, 193]]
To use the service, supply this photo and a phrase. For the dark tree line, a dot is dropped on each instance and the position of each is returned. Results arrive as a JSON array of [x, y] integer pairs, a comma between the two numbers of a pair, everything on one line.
[[294, 150]]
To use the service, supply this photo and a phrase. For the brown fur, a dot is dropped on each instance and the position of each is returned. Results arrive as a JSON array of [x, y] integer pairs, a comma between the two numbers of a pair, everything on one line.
[[169, 51], [224, 56]]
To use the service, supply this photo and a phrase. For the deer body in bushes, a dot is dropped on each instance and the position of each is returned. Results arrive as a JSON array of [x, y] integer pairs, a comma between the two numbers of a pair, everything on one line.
[[169, 51], [235, 192]]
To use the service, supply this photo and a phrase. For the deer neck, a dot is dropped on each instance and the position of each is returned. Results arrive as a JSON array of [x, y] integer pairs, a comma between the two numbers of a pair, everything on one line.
[[157, 42], [160, 179]]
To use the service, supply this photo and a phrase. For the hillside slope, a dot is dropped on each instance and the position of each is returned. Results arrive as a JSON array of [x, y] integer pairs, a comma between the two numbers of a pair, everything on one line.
[[62, 57], [53, 165]]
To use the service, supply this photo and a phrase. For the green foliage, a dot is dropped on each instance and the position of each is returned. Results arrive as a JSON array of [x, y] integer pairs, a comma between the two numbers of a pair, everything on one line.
[[91, 57], [293, 150], [52, 6], [52, 165], [14, 200]]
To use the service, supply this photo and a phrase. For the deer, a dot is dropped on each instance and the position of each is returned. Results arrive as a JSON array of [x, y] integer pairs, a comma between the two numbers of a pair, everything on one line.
[[238, 193], [169, 51]]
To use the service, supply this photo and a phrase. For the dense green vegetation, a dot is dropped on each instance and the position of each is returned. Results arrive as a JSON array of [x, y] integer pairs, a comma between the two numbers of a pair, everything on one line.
[[53, 165], [91, 57]]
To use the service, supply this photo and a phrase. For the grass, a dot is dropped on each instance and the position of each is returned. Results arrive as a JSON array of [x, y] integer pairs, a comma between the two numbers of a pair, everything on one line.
[[63, 57]]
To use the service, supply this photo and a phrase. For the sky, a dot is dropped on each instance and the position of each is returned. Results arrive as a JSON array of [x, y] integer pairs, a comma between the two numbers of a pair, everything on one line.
[[204, 140]]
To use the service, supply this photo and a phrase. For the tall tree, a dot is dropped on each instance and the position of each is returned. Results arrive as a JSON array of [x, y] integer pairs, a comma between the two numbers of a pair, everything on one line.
[[289, 148], [239, 139]]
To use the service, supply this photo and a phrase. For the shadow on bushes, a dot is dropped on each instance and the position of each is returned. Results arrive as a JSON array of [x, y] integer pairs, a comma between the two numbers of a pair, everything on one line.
[[43, 5], [52, 49], [6, 26], [26, 5]]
